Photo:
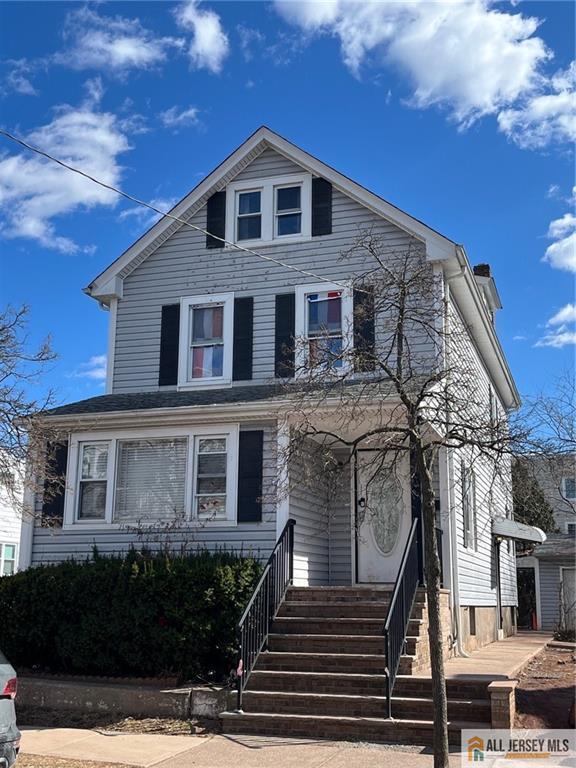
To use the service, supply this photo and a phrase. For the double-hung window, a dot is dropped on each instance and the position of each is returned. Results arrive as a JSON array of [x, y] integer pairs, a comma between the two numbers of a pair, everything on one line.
[[288, 214], [249, 222], [7, 559], [93, 481], [211, 478], [324, 319], [269, 210], [206, 329]]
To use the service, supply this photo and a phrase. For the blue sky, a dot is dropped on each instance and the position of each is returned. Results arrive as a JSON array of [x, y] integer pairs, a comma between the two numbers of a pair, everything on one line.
[[461, 114]]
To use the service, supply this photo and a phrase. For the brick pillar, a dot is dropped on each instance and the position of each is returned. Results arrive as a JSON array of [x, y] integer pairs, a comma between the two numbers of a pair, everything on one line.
[[503, 703]]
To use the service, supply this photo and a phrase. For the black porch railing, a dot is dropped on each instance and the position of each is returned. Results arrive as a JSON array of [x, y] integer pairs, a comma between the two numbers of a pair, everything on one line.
[[400, 609], [254, 626]]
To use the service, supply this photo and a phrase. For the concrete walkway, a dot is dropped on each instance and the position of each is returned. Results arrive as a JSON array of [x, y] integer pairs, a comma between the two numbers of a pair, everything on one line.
[[145, 751], [499, 661], [142, 750]]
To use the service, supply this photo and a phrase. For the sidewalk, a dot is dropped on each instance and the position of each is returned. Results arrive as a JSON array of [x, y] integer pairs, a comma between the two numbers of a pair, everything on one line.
[[145, 751], [141, 750]]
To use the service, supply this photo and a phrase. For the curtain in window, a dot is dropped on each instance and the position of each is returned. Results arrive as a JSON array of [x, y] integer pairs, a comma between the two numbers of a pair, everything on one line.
[[150, 480]]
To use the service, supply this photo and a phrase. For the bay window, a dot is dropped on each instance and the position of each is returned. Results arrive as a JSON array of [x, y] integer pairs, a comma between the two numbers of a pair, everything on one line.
[[206, 329]]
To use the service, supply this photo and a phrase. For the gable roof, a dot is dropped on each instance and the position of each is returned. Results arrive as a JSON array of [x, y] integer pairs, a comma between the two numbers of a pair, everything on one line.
[[109, 282], [439, 248]]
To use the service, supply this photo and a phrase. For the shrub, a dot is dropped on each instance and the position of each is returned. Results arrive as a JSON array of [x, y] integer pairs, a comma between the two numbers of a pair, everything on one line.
[[142, 614], [565, 634]]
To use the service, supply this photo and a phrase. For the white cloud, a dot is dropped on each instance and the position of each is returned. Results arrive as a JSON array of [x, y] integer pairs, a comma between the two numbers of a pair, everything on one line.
[[144, 216], [110, 43], [565, 315], [553, 191], [561, 254], [17, 79], [209, 44], [34, 192], [249, 38], [179, 117], [94, 369], [519, 337], [545, 117], [468, 56], [562, 332], [558, 338]]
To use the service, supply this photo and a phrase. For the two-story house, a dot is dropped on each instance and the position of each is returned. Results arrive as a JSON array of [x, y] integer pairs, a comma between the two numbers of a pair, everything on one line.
[[186, 444]]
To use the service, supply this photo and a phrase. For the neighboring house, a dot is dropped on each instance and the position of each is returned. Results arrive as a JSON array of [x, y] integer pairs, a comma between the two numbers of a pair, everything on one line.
[[548, 574], [184, 446], [10, 523]]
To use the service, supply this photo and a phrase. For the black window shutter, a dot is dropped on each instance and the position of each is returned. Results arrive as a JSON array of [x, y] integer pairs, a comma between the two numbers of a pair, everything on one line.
[[250, 458], [321, 207], [216, 219], [364, 338], [243, 338], [169, 340], [55, 484], [285, 329]]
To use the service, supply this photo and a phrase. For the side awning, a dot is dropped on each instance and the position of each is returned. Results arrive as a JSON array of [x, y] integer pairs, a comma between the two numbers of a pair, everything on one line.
[[511, 529]]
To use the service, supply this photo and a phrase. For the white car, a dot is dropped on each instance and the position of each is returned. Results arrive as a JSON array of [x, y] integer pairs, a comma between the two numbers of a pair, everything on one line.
[[9, 733]]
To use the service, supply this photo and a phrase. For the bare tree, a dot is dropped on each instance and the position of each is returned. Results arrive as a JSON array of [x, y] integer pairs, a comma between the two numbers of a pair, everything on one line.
[[23, 436], [411, 391], [548, 426]]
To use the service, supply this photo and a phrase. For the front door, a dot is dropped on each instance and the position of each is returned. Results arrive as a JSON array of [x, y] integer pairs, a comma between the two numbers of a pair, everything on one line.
[[383, 516]]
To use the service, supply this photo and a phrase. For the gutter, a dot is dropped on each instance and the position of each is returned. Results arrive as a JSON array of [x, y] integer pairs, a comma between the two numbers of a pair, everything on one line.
[[453, 527]]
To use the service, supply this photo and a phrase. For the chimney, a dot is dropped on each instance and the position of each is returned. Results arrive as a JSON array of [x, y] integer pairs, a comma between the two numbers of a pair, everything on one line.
[[482, 270]]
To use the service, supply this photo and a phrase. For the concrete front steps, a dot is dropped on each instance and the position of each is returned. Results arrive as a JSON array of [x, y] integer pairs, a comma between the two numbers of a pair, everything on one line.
[[322, 674]]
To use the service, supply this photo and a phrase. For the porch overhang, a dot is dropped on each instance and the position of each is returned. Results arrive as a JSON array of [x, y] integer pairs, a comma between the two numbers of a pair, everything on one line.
[[511, 529]]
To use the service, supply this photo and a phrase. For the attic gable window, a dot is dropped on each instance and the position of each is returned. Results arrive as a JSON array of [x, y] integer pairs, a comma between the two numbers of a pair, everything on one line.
[[269, 210], [206, 340]]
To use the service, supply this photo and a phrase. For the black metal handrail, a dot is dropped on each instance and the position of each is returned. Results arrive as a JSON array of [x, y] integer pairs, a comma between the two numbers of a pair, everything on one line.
[[254, 626], [399, 610]]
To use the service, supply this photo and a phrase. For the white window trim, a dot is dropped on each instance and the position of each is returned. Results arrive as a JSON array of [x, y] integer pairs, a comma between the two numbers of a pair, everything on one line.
[[230, 431], [301, 323], [268, 208], [186, 304], [3, 557]]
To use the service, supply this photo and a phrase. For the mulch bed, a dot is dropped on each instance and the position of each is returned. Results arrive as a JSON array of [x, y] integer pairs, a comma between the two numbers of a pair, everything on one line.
[[546, 690], [52, 718]]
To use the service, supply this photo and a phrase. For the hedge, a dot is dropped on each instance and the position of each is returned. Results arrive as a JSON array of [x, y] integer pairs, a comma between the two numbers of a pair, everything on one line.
[[142, 614]]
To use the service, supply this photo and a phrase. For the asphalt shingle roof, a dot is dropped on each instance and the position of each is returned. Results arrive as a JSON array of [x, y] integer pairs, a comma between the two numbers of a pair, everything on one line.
[[557, 545], [148, 400]]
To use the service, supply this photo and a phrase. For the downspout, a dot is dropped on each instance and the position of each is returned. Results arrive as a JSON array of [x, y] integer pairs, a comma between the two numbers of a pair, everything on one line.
[[453, 528]]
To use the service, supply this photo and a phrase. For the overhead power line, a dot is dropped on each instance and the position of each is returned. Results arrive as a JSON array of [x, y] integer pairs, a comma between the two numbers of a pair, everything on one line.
[[183, 222]]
